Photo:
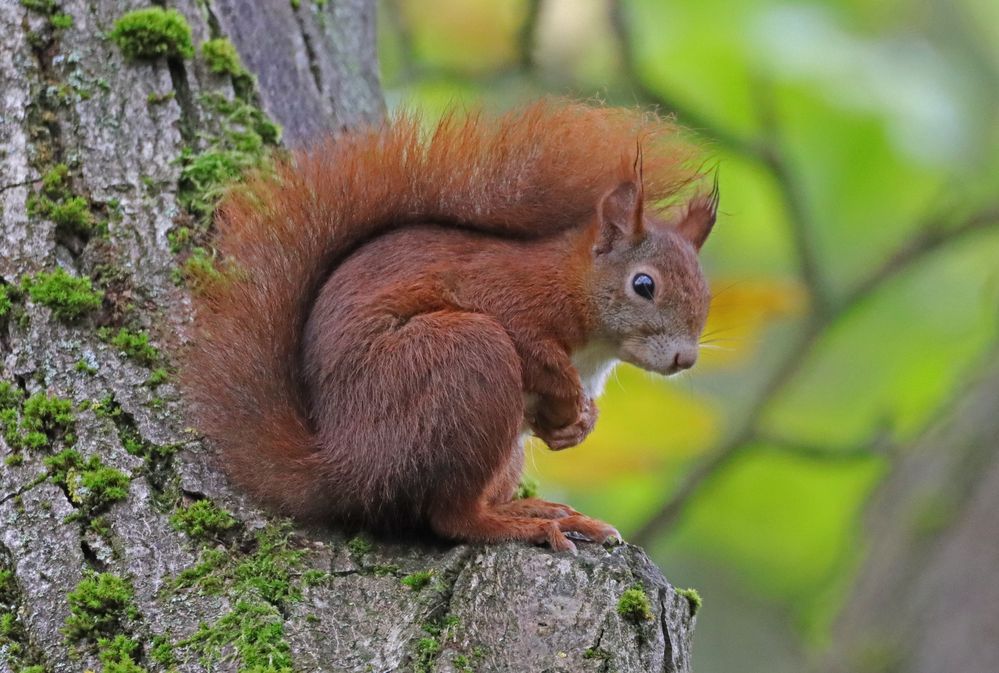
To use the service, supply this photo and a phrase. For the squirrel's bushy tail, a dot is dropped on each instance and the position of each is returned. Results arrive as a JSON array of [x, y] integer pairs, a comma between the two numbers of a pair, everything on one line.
[[529, 173]]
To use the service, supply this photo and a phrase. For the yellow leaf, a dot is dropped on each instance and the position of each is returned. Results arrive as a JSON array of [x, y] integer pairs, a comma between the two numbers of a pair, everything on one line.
[[740, 310]]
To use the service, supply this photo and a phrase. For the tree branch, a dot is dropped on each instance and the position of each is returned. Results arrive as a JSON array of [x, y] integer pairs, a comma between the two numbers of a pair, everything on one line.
[[776, 162], [527, 35]]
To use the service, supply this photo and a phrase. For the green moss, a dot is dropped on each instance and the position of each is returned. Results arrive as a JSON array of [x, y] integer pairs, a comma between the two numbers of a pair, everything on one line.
[[238, 115], [47, 413], [135, 345], [11, 428], [54, 181], [179, 238], [69, 297], [61, 463], [56, 202], [106, 407], [203, 520], [634, 606], [118, 655], [41, 6], [207, 575], [5, 301], [72, 215], [10, 396], [99, 606], [222, 58], [162, 652], [463, 663], [256, 632], [442, 627], [9, 425], [528, 488], [693, 599], [270, 569], [429, 647], [198, 267], [427, 650], [359, 545], [85, 367], [269, 573], [244, 142], [295, 4], [8, 626], [100, 526], [263, 583], [61, 21], [384, 569], [157, 376], [204, 175], [418, 580], [96, 487], [160, 98], [152, 33], [595, 653], [92, 486], [314, 578], [44, 419]]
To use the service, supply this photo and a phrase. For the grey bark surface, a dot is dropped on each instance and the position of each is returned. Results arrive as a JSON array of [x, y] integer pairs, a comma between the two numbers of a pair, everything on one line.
[[927, 596], [70, 96]]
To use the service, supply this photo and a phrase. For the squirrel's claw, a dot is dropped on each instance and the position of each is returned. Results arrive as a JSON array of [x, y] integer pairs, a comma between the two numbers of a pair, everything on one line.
[[558, 541]]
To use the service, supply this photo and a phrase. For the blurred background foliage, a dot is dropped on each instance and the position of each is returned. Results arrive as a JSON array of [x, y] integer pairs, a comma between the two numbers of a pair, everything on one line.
[[855, 269]]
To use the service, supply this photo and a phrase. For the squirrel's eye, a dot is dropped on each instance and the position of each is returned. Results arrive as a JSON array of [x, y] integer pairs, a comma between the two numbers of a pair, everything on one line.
[[644, 286]]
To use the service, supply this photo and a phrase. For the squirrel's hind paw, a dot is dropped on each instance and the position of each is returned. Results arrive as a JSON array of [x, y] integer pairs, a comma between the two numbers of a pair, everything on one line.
[[589, 529]]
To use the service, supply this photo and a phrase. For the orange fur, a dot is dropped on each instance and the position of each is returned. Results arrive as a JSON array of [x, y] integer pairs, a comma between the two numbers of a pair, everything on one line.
[[316, 376]]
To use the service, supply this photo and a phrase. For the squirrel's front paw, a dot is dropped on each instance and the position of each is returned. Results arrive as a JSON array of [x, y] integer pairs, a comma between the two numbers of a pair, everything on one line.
[[572, 434]]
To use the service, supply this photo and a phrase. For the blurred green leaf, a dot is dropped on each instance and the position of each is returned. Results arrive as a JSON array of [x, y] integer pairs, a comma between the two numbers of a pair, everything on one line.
[[896, 358], [786, 524]]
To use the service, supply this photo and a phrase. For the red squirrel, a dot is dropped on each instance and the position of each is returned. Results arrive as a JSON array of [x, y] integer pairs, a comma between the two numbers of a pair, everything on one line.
[[398, 307]]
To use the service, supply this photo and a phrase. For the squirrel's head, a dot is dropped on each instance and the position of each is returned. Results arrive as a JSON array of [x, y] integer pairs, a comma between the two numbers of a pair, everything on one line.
[[651, 297]]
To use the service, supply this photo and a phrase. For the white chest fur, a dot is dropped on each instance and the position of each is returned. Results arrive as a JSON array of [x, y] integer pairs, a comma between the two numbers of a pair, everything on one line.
[[595, 362]]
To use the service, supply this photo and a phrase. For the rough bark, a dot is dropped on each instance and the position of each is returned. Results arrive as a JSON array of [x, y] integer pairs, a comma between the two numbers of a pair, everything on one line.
[[255, 591], [927, 596]]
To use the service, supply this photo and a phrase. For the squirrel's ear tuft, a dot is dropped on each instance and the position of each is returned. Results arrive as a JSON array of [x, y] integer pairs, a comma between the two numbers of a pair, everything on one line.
[[697, 222], [620, 213]]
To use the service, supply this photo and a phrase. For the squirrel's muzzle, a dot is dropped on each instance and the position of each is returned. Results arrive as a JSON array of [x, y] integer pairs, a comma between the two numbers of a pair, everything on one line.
[[660, 353]]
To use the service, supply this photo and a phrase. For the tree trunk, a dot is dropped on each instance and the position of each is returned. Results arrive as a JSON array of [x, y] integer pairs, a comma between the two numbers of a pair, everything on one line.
[[117, 548]]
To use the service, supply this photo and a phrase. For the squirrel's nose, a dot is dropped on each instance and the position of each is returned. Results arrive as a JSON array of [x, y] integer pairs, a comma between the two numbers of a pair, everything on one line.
[[684, 359]]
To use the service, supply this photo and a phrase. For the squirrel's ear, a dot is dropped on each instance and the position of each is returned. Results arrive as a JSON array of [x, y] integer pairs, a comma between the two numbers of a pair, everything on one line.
[[697, 222], [620, 213]]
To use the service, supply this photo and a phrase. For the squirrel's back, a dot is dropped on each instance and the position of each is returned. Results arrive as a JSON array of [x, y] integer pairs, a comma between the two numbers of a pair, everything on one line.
[[529, 173]]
